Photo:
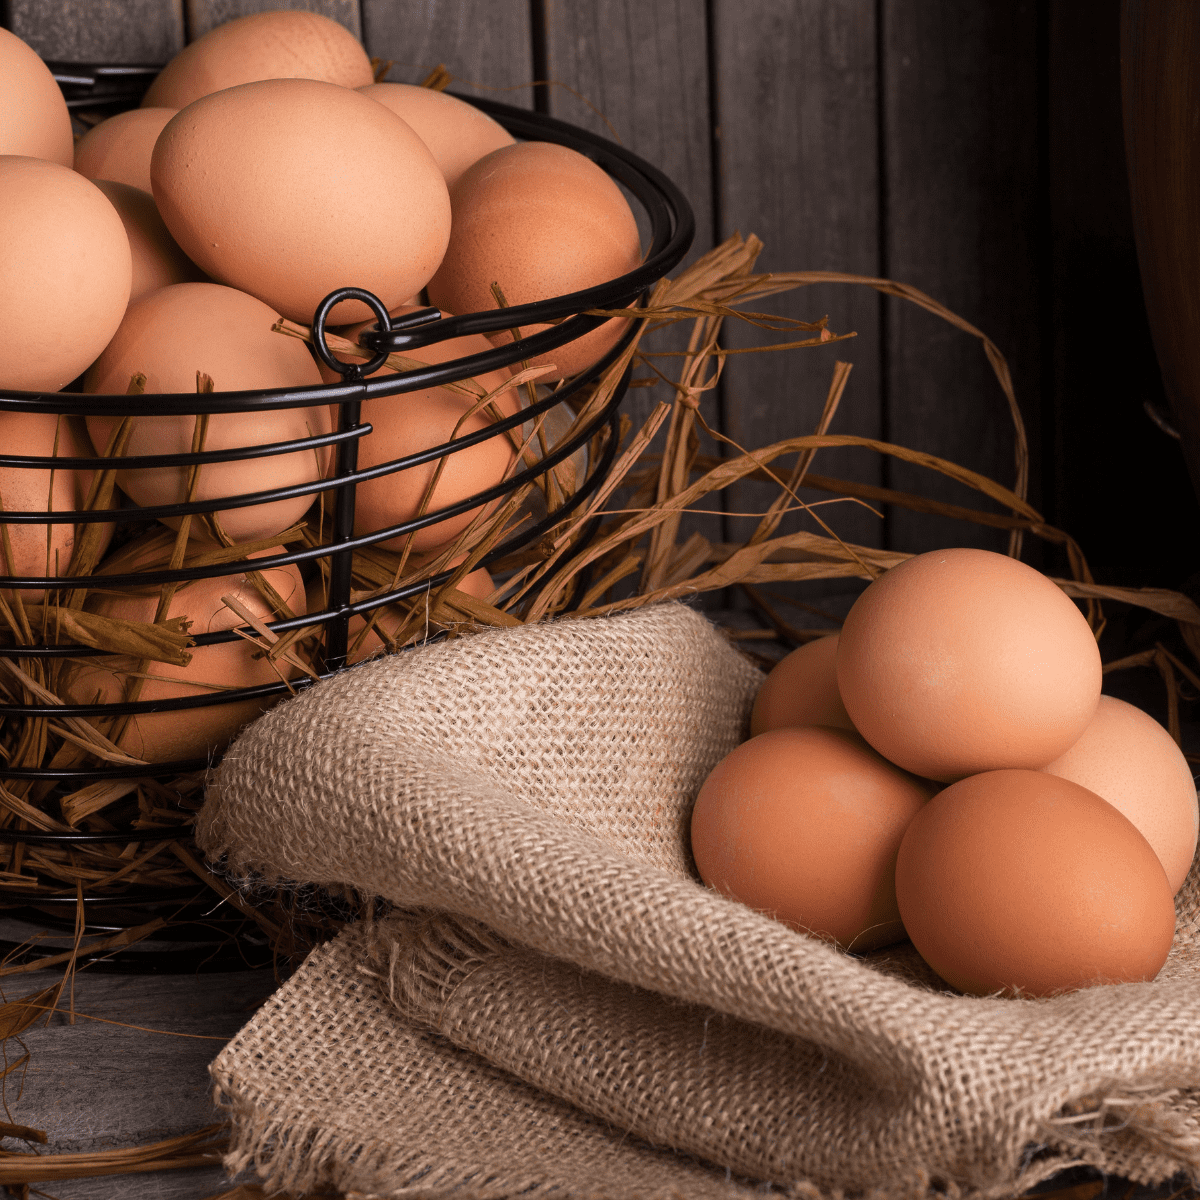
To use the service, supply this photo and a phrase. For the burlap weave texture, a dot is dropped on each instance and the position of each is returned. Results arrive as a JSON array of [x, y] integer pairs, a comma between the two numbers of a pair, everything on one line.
[[523, 796]]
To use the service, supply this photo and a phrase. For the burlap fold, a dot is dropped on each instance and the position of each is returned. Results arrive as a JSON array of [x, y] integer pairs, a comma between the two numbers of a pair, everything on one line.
[[523, 795]]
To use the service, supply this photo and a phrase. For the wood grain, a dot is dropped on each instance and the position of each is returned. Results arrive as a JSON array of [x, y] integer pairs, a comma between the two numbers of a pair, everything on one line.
[[962, 223], [100, 31], [637, 74], [203, 15], [487, 45], [796, 104], [94, 1085]]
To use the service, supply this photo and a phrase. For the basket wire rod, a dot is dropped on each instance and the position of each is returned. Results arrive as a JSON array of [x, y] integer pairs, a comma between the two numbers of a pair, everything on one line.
[[337, 627]]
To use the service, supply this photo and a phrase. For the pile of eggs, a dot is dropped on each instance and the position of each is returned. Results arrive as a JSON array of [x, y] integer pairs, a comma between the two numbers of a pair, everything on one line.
[[945, 769], [265, 169]]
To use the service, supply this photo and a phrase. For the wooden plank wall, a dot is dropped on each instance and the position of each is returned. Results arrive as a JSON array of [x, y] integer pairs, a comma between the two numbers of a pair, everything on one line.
[[973, 151]]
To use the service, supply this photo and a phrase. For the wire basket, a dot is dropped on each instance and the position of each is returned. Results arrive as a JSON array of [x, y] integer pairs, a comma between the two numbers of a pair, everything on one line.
[[205, 932]]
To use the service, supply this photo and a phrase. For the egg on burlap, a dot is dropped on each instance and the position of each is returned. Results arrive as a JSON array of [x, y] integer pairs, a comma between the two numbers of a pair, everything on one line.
[[801, 689], [804, 824], [1021, 882], [1127, 758]]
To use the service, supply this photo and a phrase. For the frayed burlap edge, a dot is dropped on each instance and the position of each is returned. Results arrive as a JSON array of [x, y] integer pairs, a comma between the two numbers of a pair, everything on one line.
[[422, 960], [296, 1150]]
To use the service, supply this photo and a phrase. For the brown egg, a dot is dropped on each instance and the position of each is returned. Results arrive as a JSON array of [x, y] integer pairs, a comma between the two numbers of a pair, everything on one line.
[[157, 258], [196, 732], [960, 661], [541, 220], [416, 421], [366, 643], [1126, 757], [188, 327], [36, 120], [1019, 881], [801, 689], [405, 425], [265, 45], [291, 188], [457, 133], [26, 549], [804, 824], [120, 147], [66, 265]]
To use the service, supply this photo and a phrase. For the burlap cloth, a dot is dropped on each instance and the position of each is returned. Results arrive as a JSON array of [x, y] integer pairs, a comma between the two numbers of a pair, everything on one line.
[[559, 1007]]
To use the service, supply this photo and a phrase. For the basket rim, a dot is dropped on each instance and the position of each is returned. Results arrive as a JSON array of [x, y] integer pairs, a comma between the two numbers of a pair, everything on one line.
[[672, 232]]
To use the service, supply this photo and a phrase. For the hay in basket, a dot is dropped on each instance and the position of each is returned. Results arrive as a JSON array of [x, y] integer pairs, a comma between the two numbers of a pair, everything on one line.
[[545, 1000]]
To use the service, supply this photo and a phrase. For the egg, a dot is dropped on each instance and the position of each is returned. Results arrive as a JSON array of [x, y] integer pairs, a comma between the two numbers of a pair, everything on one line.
[[541, 220], [1019, 881], [801, 689], [171, 334], [405, 425], [157, 258], [120, 147], [196, 732], [264, 45], [415, 421], [1126, 757], [804, 824], [66, 266], [291, 188], [960, 661], [37, 122], [457, 133], [30, 550]]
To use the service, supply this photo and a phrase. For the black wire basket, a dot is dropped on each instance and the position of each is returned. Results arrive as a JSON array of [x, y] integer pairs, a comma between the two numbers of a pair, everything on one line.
[[205, 930]]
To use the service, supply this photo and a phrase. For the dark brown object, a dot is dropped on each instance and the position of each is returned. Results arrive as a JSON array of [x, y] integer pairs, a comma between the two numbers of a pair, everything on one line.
[[1160, 88]]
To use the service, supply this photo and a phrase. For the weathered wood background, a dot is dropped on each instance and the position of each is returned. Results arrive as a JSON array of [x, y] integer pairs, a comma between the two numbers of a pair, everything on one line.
[[971, 150]]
